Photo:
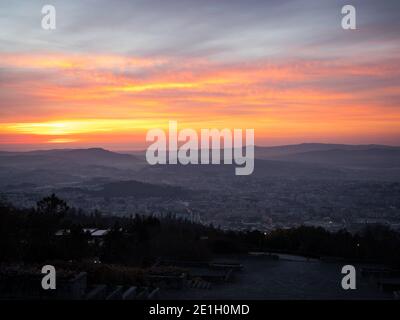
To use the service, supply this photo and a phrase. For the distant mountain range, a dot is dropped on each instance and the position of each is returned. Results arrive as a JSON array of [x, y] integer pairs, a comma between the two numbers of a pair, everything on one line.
[[93, 156], [63, 167], [338, 155], [263, 152], [100, 154]]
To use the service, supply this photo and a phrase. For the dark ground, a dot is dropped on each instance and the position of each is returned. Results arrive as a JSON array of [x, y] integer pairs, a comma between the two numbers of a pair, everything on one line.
[[290, 277]]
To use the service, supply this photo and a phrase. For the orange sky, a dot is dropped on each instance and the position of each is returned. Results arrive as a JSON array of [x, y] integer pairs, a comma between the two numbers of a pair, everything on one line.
[[111, 71], [114, 99]]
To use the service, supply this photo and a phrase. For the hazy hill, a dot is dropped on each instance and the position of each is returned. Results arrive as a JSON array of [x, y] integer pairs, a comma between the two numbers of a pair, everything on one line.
[[192, 174], [65, 166], [94, 156], [370, 158], [280, 151], [310, 160]]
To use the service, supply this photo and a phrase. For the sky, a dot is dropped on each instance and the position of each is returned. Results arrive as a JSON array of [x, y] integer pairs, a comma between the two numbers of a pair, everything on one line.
[[112, 70]]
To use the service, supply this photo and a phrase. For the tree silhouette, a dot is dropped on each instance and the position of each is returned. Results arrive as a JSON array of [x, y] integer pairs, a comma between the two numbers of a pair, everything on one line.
[[52, 205]]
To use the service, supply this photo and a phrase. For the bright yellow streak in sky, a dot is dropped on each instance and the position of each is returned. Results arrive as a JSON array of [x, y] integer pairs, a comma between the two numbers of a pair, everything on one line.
[[62, 140], [68, 127], [155, 86]]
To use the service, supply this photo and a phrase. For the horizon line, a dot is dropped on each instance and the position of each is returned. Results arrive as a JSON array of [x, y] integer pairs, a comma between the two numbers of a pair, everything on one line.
[[144, 149]]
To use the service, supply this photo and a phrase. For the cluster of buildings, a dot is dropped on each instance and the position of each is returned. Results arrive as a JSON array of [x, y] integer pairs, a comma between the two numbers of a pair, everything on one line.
[[256, 204]]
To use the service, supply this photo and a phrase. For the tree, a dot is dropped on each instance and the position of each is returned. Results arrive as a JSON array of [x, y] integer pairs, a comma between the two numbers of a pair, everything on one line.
[[52, 205]]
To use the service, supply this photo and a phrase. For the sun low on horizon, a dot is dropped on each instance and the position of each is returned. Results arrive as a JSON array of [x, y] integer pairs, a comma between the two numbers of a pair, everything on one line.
[[112, 71]]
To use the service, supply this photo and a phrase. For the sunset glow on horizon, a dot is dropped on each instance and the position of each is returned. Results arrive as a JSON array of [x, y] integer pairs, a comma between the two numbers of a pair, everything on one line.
[[295, 90]]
